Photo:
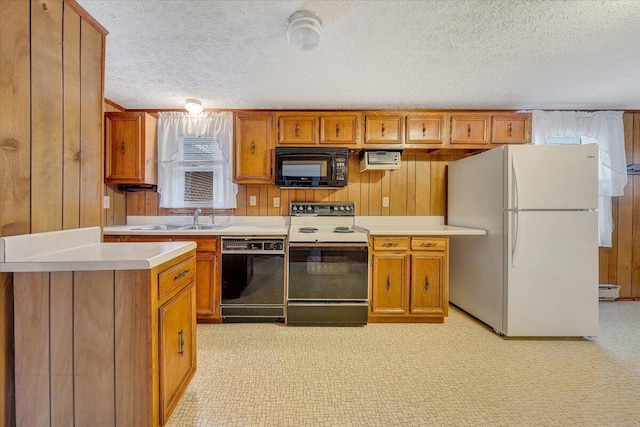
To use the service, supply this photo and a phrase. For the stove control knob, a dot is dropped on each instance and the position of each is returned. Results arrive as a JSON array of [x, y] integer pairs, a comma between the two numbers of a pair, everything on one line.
[[348, 208], [308, 208], [295, 208], [335, 208]]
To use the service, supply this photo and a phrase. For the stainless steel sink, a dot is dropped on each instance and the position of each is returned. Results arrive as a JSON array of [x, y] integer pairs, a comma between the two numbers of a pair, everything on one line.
[[181, 227], [163, 227], [204, 227]]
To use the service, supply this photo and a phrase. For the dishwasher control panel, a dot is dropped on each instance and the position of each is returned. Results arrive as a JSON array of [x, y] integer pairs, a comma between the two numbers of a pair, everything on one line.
[[252, 245]]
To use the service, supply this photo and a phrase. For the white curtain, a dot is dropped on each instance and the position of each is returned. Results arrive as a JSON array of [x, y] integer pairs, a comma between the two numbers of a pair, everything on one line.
[[173, 126], [605, 128]]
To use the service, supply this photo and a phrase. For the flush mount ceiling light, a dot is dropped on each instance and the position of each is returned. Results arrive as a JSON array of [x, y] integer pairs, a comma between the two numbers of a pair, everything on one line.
[[193, 106], [304, 30]]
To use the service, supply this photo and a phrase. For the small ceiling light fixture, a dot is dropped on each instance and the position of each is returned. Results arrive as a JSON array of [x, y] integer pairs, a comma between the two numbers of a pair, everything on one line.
[[193, 106], [304, 30]]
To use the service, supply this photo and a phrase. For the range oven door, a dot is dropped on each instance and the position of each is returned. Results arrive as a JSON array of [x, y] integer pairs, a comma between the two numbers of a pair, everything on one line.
[[328, 284]]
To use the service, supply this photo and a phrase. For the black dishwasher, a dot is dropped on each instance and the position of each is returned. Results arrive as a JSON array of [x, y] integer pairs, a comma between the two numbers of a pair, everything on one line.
[[252, 279]]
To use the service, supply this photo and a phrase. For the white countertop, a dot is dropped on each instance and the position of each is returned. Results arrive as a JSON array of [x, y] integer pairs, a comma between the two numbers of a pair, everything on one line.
[[413, 226], [81, 250], [279, 226], [234, 226]]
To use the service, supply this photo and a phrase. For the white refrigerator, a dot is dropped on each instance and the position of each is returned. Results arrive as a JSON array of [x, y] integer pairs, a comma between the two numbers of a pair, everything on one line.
[[535, 273]]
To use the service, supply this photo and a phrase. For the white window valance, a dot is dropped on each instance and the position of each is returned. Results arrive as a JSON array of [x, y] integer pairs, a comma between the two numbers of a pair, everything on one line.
[[604, 128], [176, 145]]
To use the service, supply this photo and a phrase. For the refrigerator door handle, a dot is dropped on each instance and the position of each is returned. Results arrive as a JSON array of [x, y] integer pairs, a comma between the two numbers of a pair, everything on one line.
[[514, 246], [514, 177]]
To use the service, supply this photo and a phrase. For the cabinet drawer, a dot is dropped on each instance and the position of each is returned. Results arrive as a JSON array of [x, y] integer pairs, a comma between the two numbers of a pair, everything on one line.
[[175, 276], [428, 244], [204, 244], [390, 243]]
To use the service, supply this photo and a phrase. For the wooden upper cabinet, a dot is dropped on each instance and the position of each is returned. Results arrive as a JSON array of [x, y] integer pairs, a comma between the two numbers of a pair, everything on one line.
[[511, 128], [252, 148], [384, 129], [425, 129], [340, 129], [130, 140], [471, 129], [313, 128], [297, 129]]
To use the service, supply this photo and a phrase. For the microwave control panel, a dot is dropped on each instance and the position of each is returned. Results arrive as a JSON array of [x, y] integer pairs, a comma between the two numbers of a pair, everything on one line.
[[341, 168]]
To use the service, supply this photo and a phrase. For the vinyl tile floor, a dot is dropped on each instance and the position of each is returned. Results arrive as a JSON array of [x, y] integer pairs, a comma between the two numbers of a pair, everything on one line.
[[459, 373]]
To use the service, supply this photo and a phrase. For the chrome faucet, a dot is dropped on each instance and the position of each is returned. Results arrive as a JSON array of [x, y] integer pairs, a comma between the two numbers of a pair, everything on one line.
[[196, 214]]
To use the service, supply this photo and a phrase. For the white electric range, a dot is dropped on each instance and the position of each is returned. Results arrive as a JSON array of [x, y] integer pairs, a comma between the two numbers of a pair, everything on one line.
[[328, 265]]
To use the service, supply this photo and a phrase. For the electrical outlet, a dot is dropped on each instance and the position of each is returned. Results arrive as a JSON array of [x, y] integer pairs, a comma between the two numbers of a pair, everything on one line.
[[252, 200], [276, 202], [385, 202], [106, 202]]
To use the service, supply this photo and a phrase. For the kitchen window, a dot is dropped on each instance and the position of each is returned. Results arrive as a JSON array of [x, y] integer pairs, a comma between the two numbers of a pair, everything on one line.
[[195, 160], [200, 156]]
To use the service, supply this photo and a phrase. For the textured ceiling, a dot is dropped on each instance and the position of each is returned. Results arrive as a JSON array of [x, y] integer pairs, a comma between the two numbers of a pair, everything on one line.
[[448, 54]]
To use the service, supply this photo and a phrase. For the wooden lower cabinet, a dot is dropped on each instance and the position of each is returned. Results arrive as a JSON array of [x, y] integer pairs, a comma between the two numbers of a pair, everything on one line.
[[409, 279], [177, 349], [106, 347], [427, 287], [207, 270], [389, 289]]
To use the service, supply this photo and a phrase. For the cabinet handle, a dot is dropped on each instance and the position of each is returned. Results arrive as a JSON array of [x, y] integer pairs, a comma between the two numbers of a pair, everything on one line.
[[382, 130], [428, 245], [510, 129], [297, 130], [388, 283], [122, 148], [424, 130], [181, 342], [389, 245], [337, 130], [253, 147], [426, 284], [468, 131], [182, 274]]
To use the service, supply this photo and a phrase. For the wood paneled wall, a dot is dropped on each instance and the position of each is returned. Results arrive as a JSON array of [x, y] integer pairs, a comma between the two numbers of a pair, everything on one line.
[[417, 188], [51, 90], [620, 264]]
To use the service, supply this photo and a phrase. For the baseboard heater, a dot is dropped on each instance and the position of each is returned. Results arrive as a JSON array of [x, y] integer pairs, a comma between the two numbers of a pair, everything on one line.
[[609, 292]]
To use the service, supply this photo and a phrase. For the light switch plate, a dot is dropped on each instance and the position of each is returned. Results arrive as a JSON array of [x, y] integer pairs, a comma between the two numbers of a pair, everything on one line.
[[252, 200], [276, 202], [106, 202], [385, 202]]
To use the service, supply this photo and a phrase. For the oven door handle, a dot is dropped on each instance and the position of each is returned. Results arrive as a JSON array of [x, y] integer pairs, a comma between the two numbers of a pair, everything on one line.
[[329, 245]]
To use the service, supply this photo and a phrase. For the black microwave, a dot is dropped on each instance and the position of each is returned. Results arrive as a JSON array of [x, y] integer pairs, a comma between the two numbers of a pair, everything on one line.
[[312, 167]]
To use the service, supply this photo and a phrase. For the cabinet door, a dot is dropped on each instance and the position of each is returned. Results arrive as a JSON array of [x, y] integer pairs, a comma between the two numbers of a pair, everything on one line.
[[177, 358], [384, 129], [470, 129], [343, 129], [389, 287], [252, 153], [427, 284], [207, 277], [123, 146], [207, 299], [297, 130], [511, 129], [426, 129]]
